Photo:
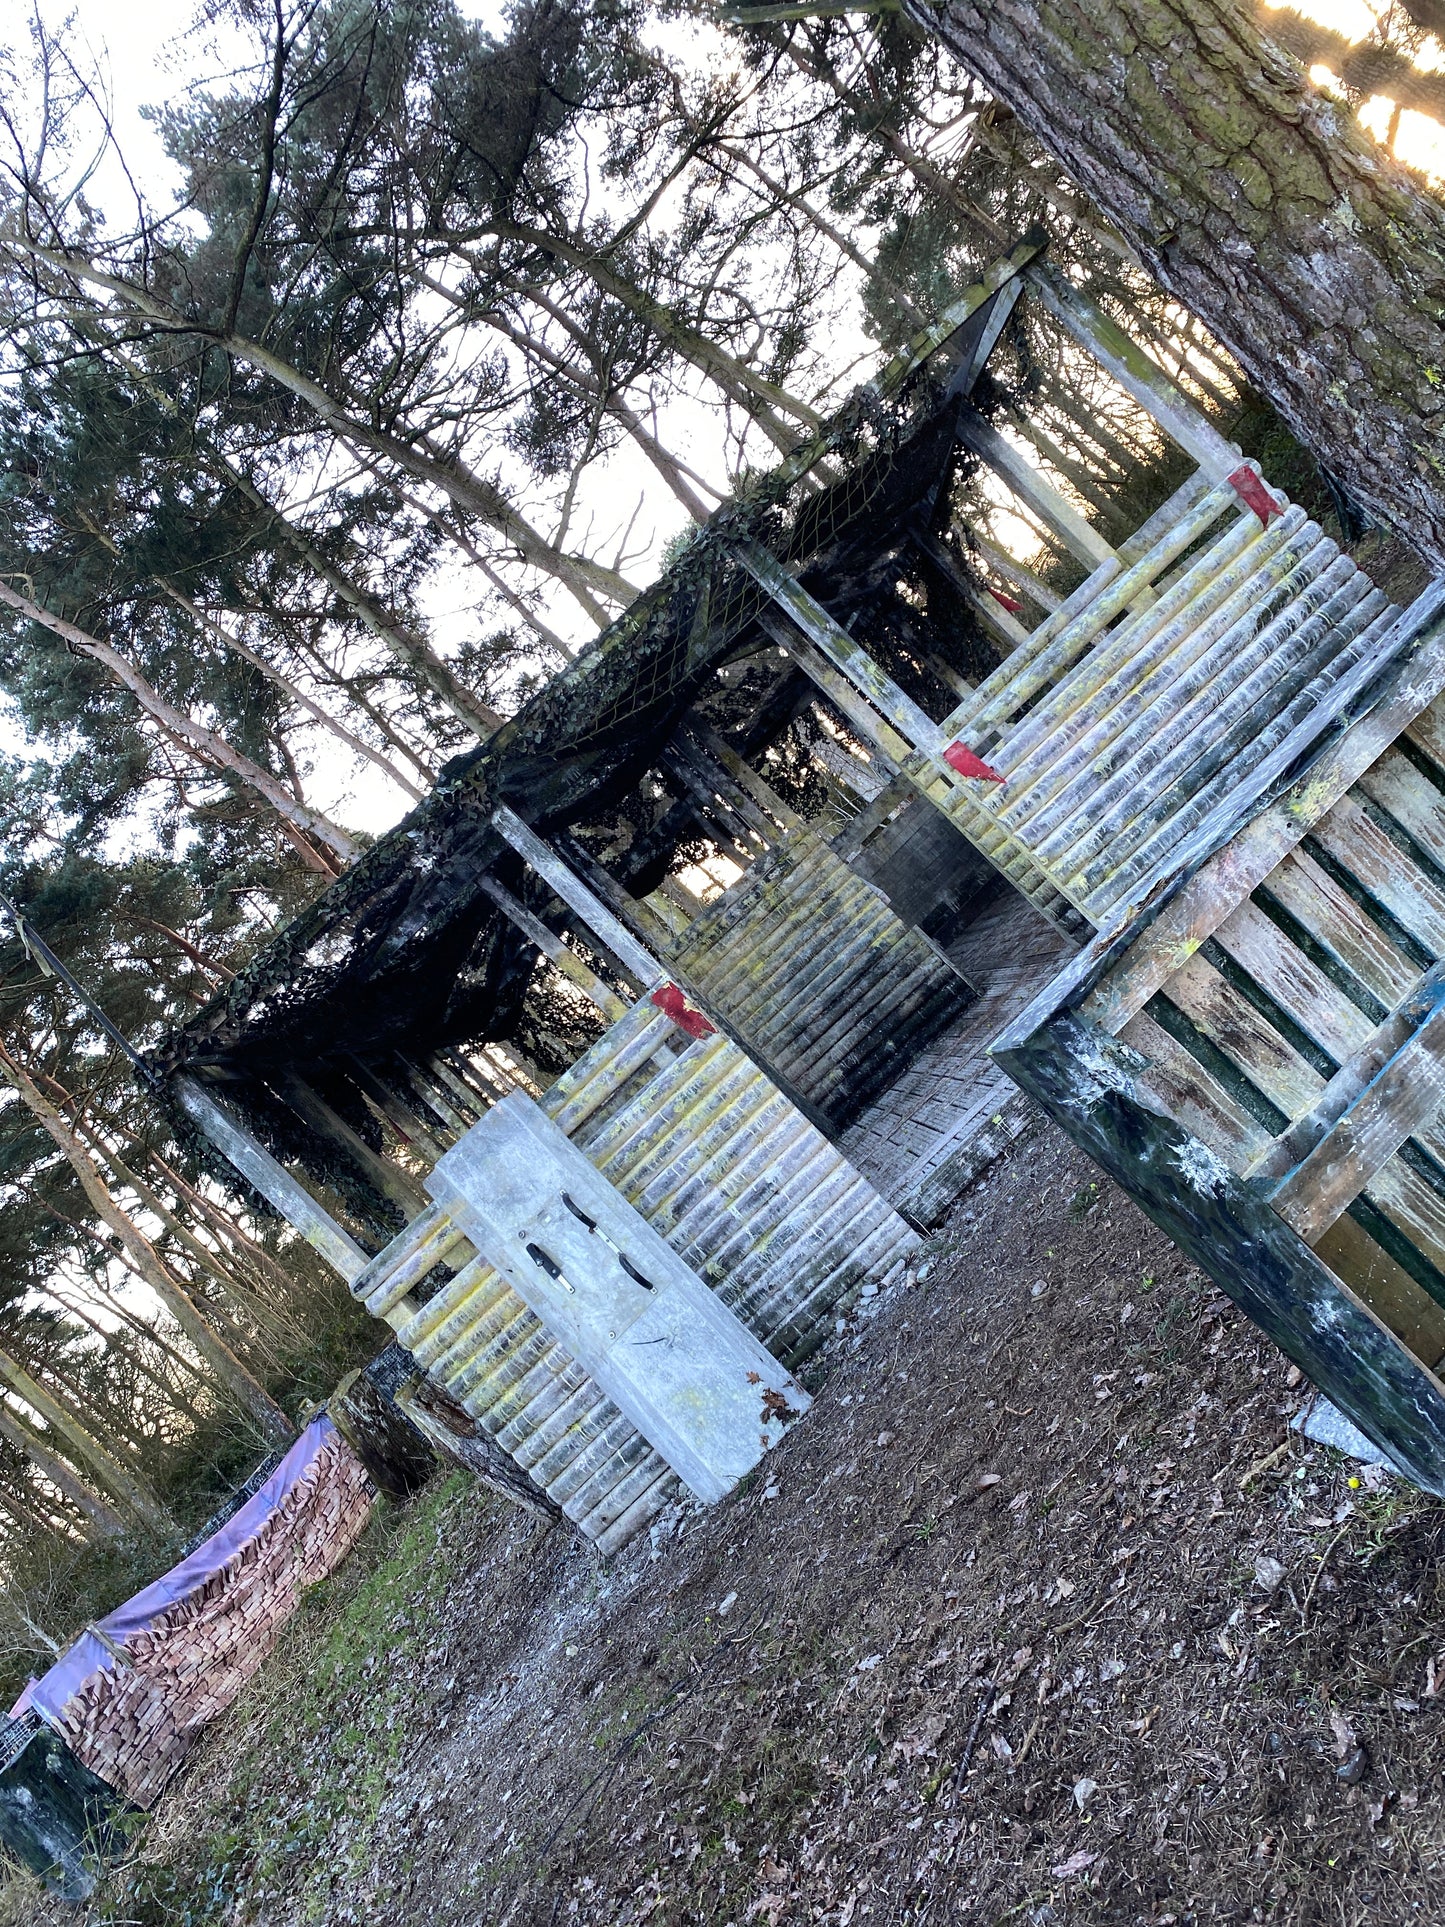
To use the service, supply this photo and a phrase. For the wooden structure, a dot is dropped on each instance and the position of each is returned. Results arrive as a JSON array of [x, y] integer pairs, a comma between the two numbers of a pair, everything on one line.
[[739, 900], [56, 1817]]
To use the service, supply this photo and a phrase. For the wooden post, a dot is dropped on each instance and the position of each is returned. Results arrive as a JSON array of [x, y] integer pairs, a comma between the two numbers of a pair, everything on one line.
[[892, 747], [1079, 537], [454, 1434], [1140, 377], [553, 948], [271, 1178], [609, 930], [915, 728], [398, 1459], [388, 1178]]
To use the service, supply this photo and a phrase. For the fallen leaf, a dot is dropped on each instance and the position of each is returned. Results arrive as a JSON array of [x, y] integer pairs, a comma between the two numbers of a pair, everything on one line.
[[1346, 1738], [1354, 1767], [1001, 1746], [1076, 1863], [1268, 1574], [1084, 1791]]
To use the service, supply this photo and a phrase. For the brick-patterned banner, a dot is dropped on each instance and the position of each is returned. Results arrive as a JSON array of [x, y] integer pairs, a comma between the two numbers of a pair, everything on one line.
[[132, 1695]]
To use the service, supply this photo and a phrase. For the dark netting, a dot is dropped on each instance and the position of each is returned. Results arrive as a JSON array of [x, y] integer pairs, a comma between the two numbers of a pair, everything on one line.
[[406, 951]]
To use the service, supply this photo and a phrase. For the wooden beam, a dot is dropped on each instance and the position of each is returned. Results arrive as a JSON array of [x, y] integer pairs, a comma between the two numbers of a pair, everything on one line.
[[1086, 1081], [1001, 623], [1404, 1093], [916, 728], [555, 950], [747, 779], [275, 1183], [837, 688], [1140, 377], [1081, 538], [389, 1179], [584, 903]]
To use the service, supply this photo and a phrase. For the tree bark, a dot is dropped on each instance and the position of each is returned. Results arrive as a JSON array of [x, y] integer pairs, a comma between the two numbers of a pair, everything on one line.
[[203, 743], [230, 1374], [1260, 204], [403, 641], [102, 1519], [132, 1491]]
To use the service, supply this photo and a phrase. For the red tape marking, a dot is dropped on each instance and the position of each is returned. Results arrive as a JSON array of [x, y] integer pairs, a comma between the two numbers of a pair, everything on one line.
[[1253, 493], [1007, 602], [671, 1002], [960, 757]]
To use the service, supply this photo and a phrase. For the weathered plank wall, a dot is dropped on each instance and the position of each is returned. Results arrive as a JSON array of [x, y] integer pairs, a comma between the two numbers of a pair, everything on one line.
[[743, 1188], [808, 962]]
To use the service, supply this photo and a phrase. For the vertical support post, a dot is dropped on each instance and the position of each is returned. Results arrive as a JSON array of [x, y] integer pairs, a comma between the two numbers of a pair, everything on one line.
[[1079, 537], [1135, 373], [610, 930], [553, 948], [916, 728], [271, 1178]]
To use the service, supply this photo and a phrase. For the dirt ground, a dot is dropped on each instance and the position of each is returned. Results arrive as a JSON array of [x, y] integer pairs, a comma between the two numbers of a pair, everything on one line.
[[1042, 1616]]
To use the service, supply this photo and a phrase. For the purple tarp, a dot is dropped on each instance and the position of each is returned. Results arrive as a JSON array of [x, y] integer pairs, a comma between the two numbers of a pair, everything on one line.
[[48, 1694]]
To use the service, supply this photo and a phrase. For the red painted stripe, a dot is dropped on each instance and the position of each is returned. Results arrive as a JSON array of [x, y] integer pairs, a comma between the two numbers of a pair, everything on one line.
[[1253, 493], [671, 1002], [960, 757]]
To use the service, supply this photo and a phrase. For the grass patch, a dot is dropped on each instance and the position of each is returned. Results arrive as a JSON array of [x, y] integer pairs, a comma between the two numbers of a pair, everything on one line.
[[316, 1742]]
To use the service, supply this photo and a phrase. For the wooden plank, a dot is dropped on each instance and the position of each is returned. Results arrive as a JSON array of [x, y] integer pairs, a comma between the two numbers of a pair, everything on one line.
[[873, 727], [1404, 1094], [394, 1184], [1384, 871], [1299, 987], [1427, 733], [610, 931], [1350, 1081], [554, 949], [1341, 927], [1416, 1208], [1140, 377], [853, 661], [1245, 1036], [1177, 1080], [1394, 785], [1017, 574], [1386, 1287], [1079, 537], [748, 779], [271, 1178], [1144, 959], [1089, 1084]]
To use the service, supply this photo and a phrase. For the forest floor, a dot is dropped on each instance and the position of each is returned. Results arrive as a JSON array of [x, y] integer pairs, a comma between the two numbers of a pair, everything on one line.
[[1042, 1616]]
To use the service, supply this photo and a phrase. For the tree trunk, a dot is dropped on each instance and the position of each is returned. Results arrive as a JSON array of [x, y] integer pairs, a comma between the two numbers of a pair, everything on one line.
[[403, 641], [1260, 204], [282, 682], [131, 1490], [200, 742], [240, 1385], [102, 1518]]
